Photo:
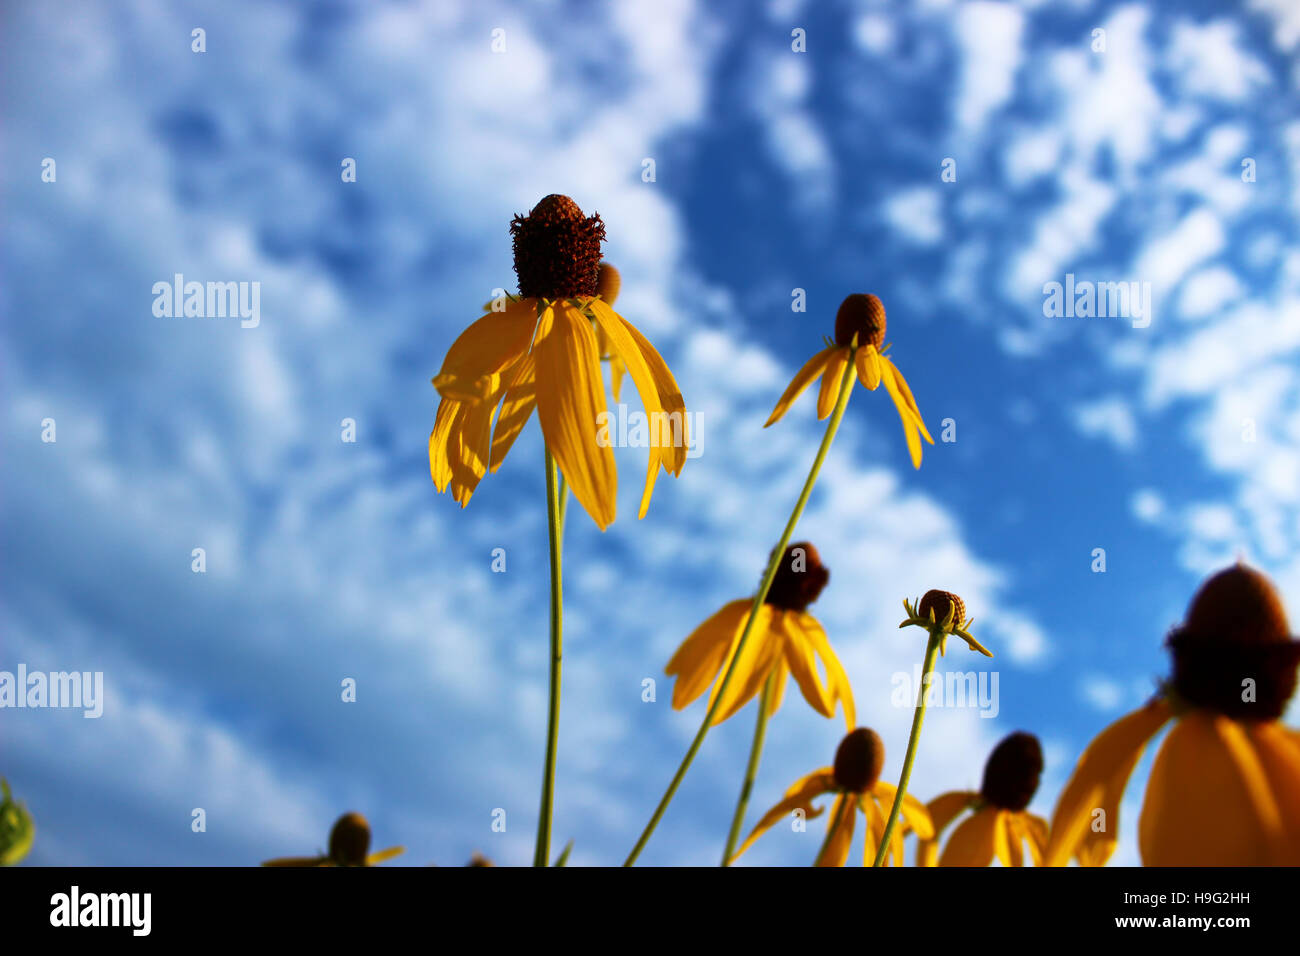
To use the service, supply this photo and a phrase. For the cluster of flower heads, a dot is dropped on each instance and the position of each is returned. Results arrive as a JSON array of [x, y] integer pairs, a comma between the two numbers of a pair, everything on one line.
[[1225, 787]]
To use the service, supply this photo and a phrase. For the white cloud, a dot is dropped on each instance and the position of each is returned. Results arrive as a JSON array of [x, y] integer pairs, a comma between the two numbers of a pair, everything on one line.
[[1102, 693], [1209, 61], [1168, 257], [917, 214], [1110, 418], [1148, 506], [1286, 21], [1207, 292], [989, 34]]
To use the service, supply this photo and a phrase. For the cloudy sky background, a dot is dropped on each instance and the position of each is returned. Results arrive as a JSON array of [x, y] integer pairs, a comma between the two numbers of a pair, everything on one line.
[[775, 170]]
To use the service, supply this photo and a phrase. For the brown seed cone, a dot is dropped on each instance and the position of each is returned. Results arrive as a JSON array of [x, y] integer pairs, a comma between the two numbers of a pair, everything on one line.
[[793, 590], [941, 602], [557, 250], [350, 840], [1234, 653], [1012, 772], [863, 314], [858, 760]]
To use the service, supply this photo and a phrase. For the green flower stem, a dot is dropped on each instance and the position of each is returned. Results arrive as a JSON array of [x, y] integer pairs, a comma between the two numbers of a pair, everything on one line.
[[846, 389], [755, 753], [931, 652], [557, 494]]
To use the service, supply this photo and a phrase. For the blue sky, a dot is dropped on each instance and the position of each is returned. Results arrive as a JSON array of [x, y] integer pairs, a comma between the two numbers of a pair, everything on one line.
[[774, 170]]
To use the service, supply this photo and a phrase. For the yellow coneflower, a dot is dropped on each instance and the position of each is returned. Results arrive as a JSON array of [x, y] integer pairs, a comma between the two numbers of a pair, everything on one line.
[[542, 351], [1000, 825], [787, 640], [941, 613], [349, 846], [855, 780], [1225, 786], [859, 340]]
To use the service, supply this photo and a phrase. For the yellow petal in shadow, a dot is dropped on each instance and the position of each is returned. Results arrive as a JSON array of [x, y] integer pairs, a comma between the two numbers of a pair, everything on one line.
[[571, 408], [1086, 818]]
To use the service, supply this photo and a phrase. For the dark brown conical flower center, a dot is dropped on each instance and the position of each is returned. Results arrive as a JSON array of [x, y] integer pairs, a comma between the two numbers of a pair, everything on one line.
[[608, 283], [1234, 653], [1012, 771], [350, 840], [941, 602], [858, 760], [557, 250], [863, 315], [799, 579]]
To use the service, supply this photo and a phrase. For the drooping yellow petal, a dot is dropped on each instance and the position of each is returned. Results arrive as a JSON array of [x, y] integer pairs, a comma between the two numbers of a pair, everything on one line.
[[1035, 830], [802, 379], [868, 361], [1014, 838], [836, 850], [799, 656], [439, 443], [973, 842], [616, 372], [779, 680], [830, 390], [799, 797], [1086, 819], [913, 427], [754, 663], [1208, 800], [910, 399], [871, 838], [838, 687], [571, 408], [915, 815], [616, 367], [1278, 748], [516, 409], [943, 809], [483, 350], [661, 430], [670, 399], [875, 813], [470, 443], [699, 659], [1002, 840]]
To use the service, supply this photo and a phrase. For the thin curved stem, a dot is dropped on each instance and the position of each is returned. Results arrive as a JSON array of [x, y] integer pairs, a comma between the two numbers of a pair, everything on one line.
[[556, 496], [931, 652], [846, 389], [751, 770]]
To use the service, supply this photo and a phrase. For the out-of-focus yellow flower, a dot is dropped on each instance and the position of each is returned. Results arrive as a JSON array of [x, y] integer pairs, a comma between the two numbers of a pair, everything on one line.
[[542, 351], [859, 338], [1000, 825], [349, 843], [787, 640], [17, 830], [855, 780], [1225, 786]]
